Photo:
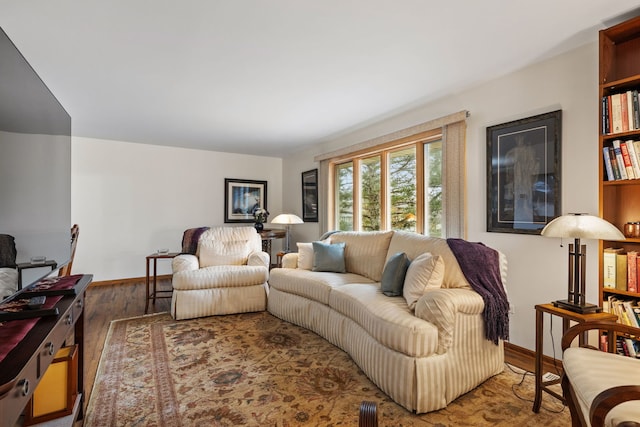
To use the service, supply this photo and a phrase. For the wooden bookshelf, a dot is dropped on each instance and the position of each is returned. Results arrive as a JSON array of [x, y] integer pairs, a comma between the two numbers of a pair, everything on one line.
[[619, 200]]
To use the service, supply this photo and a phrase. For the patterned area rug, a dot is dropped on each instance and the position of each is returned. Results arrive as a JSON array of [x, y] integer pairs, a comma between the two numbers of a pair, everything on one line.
[[257, 370]]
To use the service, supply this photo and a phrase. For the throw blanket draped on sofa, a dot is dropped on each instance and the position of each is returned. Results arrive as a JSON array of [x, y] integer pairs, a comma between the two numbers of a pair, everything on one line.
[[481, 266], [190, 239]]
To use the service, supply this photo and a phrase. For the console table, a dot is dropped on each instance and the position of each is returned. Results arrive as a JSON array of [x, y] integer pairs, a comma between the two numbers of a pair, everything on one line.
[[22, 369]]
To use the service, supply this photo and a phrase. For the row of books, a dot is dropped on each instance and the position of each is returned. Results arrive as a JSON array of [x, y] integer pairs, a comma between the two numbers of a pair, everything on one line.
[[620, 112], [627, 310], [621, 269], [622, 160]]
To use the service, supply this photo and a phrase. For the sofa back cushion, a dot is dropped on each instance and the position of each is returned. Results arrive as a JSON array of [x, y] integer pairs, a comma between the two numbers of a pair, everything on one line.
[[365, 252], [228, 245], [414, 244]]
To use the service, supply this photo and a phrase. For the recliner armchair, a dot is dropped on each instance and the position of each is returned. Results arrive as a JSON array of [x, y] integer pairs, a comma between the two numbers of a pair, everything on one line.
[[228, 274], [601, 388]]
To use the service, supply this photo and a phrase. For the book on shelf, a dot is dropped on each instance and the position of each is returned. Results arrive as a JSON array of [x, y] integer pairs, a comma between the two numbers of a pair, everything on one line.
[[621, 272], [624, 111], [632, 271], [626, 158], [620, 112], [609, 266], [620, 161], [614, 163], [616, 113], [607, 164], [633, 155], [636, 109]]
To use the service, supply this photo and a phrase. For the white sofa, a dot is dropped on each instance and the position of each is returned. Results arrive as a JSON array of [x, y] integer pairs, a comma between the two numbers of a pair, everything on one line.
[[423, 358], [227, 274]]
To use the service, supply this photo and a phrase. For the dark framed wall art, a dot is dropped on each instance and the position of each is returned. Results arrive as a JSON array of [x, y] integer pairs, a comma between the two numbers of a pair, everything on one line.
[[310, 196], [523, 174], [242, 197]]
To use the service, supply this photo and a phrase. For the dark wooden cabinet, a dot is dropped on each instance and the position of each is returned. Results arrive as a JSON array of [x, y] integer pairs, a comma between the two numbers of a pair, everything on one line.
[[22, 369]]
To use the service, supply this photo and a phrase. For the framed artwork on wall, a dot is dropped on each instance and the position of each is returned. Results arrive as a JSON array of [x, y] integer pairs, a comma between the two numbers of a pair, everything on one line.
[[310, 196], [523, 174], [242, 197]]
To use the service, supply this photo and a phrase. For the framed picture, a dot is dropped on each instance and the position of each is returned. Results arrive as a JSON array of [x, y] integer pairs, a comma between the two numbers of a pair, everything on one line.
[[242, 197], [310, 196], [523, 174]]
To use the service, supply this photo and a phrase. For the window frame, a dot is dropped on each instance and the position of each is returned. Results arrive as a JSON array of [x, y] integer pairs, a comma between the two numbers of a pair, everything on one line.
[[417, 142]]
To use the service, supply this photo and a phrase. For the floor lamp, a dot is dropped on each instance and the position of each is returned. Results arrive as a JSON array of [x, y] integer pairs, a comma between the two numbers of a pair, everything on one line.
[[579, 226], [287, 219]]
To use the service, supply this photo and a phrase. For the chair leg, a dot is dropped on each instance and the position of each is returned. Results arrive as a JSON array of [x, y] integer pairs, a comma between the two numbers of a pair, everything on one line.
[[368, 414]]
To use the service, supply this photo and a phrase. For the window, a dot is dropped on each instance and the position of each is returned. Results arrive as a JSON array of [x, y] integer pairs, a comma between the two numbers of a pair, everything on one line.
[[411, 179], [381, 189]]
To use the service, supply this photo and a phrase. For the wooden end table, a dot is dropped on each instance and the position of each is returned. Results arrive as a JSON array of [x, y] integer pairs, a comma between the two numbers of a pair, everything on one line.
[[152, 295], [567, 316]]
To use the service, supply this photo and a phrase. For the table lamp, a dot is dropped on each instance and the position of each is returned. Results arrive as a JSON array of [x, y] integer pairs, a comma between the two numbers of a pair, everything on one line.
[[579, 226], [287, 219]]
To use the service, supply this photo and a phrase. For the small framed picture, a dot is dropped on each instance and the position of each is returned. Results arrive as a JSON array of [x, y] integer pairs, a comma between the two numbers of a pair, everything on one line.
[[242, 197], [310, 196], [523, 174]]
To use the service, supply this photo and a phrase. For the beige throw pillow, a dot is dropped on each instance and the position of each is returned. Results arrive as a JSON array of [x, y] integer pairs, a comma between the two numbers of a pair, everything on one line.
[[305, 256], [425, 272]]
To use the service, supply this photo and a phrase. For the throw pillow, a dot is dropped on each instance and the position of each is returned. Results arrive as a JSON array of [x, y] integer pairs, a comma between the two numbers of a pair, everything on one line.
[[424, 273], [328, 257], [394, 273], [305, 256]]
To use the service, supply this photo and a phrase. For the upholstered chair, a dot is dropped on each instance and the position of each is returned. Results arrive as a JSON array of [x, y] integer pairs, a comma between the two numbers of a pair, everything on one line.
[[601, 388], [227, 274]]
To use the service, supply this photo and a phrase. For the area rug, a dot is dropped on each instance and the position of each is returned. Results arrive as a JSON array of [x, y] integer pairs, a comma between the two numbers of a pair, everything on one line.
[[254, 369]]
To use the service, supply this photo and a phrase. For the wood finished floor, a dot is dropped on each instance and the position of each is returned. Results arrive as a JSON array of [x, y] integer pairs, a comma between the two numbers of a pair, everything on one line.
[[105, 303]]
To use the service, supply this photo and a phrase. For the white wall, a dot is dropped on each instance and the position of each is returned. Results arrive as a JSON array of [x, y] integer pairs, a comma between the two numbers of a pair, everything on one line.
[[132, 199], [537, 265]]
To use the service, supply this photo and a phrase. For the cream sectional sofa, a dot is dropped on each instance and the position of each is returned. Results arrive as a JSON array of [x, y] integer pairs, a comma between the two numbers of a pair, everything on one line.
[[422, 358]]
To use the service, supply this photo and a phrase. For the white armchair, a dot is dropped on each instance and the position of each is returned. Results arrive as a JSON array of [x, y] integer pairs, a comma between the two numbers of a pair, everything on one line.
[[601, 388], [228, 274]]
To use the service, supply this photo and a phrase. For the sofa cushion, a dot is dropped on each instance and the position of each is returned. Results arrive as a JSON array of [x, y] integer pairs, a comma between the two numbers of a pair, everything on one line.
[[220, 276], [414, 244], [424, 272], [388, 320], [311, 284], [393, 275], [328, 257], [365, 253], [228, 245], [305, 256]]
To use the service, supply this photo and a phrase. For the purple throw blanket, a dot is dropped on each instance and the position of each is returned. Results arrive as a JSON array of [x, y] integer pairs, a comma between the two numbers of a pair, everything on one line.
[[190, 239], [481, 266]]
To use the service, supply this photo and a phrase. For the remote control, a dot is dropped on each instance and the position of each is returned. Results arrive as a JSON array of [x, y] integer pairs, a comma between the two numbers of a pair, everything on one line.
[[36, 303]]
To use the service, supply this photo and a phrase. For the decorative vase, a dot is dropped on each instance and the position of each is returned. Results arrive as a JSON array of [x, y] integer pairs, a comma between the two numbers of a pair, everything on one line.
[[259, 226]]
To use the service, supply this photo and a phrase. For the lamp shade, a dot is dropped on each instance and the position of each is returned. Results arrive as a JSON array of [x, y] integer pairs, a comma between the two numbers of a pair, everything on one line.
[[582, 226], [287, 219]]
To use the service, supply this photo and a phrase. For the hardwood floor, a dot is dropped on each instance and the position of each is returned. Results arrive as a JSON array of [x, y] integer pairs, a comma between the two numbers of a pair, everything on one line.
[[105, 303]]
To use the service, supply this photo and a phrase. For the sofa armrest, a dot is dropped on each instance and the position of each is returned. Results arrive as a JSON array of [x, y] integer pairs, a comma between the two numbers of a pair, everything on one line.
[[185, 262], [440, 307], [290, 260], [261, 259]]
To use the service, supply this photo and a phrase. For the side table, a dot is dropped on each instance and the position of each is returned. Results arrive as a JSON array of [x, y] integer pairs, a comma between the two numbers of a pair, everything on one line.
[[567, 316], [152, 295]]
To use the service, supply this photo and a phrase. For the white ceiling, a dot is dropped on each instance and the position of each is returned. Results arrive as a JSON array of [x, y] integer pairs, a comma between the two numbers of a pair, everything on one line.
[[267, 77]]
